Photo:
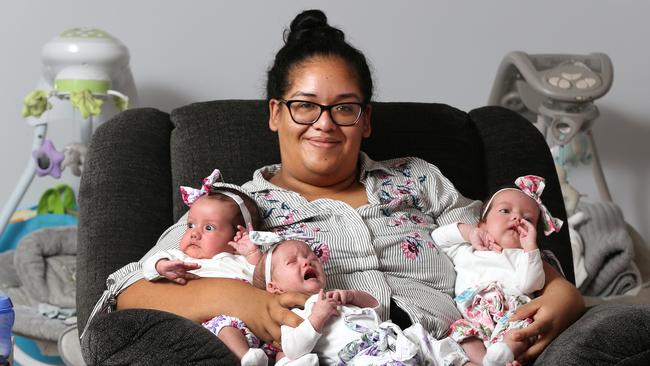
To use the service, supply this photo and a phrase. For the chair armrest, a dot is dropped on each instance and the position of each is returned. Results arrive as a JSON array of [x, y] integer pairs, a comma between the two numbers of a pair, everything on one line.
[[513, 147], [124, 198]]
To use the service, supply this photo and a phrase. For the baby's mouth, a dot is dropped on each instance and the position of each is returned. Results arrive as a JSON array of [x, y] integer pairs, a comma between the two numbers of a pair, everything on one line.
[[310, 274]]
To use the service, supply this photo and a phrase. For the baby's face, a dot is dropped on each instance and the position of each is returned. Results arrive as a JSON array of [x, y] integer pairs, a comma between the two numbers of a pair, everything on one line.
[[295, 267], [209, 228], [506, 210]]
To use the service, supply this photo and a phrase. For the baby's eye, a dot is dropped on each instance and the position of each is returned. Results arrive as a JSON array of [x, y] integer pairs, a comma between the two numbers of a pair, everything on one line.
[[190, 225], [210, 227], [528, 218], [504, 210]]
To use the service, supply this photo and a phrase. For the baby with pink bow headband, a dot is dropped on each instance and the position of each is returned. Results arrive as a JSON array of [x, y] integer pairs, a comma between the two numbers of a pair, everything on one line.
[[498, 268], [215, 244]]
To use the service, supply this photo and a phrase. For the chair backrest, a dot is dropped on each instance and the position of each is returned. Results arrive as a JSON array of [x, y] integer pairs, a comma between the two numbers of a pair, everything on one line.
[[233, 136], [136, 161]]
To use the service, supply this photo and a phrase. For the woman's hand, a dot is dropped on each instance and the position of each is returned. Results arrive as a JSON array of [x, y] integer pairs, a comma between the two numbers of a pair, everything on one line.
[[205, 298], [559, 305]]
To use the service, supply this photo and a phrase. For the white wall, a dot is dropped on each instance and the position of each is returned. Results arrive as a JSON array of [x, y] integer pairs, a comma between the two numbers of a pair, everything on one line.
[[428, 51]]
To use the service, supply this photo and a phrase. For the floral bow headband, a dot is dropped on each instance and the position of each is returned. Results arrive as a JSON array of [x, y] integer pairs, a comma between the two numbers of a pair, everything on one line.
[[532, 186], [271, 240], [190, 195]]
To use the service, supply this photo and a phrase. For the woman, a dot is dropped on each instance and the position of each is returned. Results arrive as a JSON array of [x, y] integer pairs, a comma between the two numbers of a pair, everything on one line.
[[369, 220]]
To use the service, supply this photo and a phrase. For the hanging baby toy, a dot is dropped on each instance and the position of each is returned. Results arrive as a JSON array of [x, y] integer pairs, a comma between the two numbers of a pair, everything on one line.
[[86, 79]]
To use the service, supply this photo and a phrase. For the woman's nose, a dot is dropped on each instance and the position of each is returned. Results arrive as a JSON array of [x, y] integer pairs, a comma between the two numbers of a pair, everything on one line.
[[325, 122]]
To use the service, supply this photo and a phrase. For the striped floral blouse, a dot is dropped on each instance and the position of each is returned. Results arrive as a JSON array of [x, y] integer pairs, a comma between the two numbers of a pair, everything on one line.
[[383, 247]]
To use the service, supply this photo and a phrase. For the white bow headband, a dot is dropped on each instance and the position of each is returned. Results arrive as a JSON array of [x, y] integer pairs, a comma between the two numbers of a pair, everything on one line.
[[270, 240]]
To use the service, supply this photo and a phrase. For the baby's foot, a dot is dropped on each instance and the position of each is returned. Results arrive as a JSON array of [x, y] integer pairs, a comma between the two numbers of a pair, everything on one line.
[[255, 357], [498, 354]]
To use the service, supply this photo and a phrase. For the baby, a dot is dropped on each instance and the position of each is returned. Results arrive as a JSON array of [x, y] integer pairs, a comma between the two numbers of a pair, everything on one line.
[[208, 249], [342, 326], [492, 284]]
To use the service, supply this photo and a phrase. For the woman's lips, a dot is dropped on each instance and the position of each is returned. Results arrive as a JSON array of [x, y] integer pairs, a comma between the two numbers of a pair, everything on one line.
[[322, 141]]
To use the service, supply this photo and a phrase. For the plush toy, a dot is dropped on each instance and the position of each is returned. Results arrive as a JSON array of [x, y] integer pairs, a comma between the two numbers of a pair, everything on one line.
[[73, 157], [48, 160]]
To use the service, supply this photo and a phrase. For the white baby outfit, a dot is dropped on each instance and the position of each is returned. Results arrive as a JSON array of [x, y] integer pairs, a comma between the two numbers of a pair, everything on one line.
[[518, 272], [222, 265], [357, 337], [490, 286]]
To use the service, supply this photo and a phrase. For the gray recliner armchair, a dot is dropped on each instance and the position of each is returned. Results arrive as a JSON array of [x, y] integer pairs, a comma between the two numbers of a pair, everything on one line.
[[137, 161]]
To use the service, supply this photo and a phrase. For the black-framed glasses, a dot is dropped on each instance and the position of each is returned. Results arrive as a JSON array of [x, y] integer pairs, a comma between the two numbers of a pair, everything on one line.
[[306, 113]]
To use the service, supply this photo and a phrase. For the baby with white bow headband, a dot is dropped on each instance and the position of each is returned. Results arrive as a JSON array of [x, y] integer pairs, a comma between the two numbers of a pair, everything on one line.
[[341, 327]]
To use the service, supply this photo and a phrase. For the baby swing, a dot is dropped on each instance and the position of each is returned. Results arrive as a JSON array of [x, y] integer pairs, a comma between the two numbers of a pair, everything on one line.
[[556, 92], [82, 69], [86, 79]]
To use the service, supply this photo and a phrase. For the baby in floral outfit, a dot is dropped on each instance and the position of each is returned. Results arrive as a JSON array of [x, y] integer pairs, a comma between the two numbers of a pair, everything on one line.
[[210, 247], [342, 327], [491, 284]]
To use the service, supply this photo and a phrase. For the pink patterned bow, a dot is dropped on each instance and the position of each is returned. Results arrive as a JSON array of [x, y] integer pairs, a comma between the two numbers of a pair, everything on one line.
[[533, 186], [190, 195]]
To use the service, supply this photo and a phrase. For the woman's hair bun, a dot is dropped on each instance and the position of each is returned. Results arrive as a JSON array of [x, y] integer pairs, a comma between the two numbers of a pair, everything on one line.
[[311, 24]]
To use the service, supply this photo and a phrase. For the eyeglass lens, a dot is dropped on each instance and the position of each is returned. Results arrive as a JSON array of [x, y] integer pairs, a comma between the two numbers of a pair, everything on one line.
[[307, 113]]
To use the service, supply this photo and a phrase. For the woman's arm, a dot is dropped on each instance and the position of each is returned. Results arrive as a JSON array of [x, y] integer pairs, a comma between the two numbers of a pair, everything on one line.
[[202, 299], [558, 306]]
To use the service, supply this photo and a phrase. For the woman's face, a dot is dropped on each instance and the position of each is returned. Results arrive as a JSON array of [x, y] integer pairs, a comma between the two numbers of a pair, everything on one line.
[[322, 152]]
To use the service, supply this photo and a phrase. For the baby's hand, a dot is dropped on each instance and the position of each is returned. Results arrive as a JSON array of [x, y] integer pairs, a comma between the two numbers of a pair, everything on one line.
[[341, 297], [482, 240], [242, 243], [324, 309], [527, 235], [177, 270]]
